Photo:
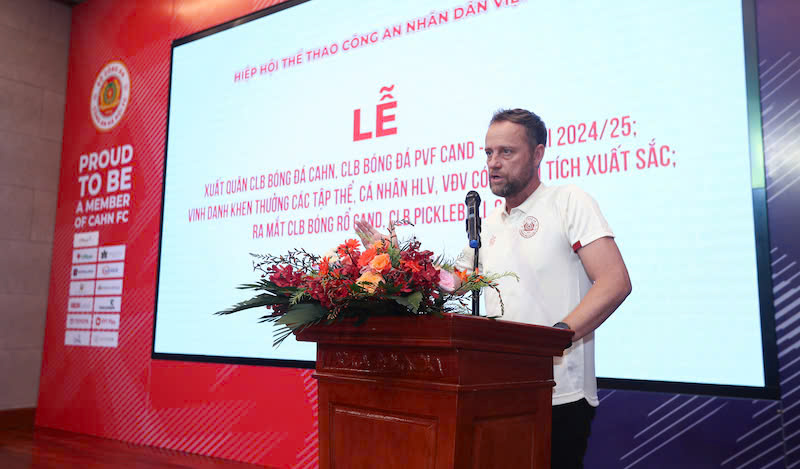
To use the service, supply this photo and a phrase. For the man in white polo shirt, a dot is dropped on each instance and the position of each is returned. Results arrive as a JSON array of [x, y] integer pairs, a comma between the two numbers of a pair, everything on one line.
[[571, 273]]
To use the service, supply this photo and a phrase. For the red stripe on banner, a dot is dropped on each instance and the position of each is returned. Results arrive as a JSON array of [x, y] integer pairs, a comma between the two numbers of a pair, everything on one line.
[[309, 456], [204, 445], [215, 448]]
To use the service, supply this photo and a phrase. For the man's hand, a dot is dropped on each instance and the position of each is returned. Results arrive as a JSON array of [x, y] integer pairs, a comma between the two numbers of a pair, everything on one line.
[[369, 235]]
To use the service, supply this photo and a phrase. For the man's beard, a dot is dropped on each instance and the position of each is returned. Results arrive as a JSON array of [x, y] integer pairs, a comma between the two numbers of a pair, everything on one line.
[[509, 187], [513, 185]]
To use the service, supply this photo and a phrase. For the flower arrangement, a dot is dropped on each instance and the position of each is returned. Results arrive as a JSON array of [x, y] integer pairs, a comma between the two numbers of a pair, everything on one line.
[[304, 289]]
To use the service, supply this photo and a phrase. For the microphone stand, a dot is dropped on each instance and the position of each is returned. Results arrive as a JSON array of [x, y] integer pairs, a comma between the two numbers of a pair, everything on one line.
[[473, 220], [476, 294]]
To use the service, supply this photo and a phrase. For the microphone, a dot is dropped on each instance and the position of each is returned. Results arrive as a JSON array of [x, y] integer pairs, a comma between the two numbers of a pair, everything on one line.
[[473, 200]]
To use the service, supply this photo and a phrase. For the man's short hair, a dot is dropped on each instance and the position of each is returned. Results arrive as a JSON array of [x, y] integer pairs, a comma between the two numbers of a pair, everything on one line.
[[534, 126]]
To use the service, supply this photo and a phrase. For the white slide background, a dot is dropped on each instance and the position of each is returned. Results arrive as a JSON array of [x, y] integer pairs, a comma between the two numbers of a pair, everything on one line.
[[608, 78]]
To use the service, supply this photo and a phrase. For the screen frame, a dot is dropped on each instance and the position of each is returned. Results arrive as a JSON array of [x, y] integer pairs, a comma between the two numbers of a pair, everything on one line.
[[232, 360], [771, 389]]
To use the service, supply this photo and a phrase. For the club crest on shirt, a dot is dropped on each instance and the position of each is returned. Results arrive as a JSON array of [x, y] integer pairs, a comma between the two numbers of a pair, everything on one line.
[[529, 227], [492, 240]]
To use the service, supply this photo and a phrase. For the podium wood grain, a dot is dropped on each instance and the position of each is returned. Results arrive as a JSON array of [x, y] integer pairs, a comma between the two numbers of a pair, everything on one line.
[[423, 392]]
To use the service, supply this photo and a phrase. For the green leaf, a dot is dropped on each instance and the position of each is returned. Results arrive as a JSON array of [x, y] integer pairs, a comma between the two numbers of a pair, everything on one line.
[[411, 301], [394, 256], [302, 313], [297, 296], [263, 299], [299, 317], [267, 286], [391, 290]]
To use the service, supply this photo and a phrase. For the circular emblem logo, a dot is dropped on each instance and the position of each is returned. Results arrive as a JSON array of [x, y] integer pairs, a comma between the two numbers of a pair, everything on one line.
[[110, 96], [529, 227]]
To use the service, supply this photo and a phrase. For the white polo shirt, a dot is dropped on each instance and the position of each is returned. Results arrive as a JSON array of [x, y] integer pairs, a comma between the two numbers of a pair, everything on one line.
[[538, 241]]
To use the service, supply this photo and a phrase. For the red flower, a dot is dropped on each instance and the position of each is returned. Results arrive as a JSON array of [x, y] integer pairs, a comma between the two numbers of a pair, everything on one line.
[[349, 246], [284, 276]]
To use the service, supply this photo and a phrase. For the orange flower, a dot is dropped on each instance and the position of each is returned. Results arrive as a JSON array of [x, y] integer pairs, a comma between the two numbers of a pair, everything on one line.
[[324, 265], [381, 263], [366, 257], [413, 266], [349, 245], [370, 280], [462, 275], [379, 245]]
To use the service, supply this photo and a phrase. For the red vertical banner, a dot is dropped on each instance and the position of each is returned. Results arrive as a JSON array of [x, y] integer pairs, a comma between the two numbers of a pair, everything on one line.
[[97, 374]]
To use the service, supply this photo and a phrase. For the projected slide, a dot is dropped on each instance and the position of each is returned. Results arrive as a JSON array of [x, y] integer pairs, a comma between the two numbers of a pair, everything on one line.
[[285, 130]]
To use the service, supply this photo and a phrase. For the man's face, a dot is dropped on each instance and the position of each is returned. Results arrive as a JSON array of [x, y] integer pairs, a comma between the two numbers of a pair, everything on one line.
[[511, 165]]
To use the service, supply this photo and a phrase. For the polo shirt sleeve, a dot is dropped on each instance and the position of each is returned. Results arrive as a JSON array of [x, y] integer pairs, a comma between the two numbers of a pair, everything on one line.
[[582, 220]]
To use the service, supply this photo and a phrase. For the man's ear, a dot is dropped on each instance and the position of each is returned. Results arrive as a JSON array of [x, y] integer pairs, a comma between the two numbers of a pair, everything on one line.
[[538, 154]]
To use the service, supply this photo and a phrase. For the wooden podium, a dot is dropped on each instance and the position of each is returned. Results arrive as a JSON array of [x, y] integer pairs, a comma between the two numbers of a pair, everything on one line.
[[424, 392]]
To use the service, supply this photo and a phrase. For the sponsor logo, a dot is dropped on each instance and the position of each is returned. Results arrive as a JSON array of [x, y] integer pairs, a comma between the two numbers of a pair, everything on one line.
[[82, 240], [108, 287], [77, 338], [106, 321], [112, 269], [82, 256], [105, 338], [83, 271], [108, 304], [84, 288], [79, 321], [110, 96], [529, 227], [79, 305], [112, 253]]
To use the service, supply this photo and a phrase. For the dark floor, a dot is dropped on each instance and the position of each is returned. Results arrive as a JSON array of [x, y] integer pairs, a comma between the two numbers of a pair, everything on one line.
[[23, 446]]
